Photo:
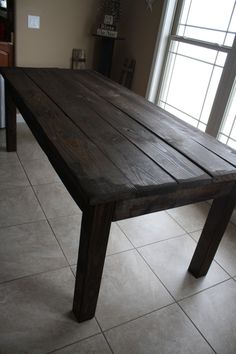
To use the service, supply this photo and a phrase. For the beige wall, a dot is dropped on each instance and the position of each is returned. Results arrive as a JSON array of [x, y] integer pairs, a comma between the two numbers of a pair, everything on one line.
[[68, 24], [139, 27], [64, 25]]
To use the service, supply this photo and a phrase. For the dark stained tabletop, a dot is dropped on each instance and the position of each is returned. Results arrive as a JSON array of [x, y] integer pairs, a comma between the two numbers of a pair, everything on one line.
[[115, 144]]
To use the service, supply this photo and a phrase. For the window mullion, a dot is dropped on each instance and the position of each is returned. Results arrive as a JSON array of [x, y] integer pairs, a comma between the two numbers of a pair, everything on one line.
[[178, 11], [161, 48], [200, 43], [223, 93]]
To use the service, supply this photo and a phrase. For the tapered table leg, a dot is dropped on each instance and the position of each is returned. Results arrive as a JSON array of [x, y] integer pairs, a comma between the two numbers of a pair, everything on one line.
[[213, 231], [10, 112], [95, 228]]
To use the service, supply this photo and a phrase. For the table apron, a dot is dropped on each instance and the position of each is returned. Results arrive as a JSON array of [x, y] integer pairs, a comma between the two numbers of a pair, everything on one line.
[[183, 196]]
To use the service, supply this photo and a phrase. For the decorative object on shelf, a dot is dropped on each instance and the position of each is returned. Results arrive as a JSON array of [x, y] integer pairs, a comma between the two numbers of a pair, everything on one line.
[[150, 3], [110, 10], [78, 59]]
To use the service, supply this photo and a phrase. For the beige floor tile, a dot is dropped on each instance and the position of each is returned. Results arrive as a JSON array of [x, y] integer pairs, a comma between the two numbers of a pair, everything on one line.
[[29, 150], [191, 217], [40, 171], [36, 315], [27, 146], [2, 136], [226, 254], [18, 206], [56, 200], [150, 228], [118, 242], [7, 157], [67, 230], [170, 261], [28, 249], [129, 289], [24, 132], [213, 312], [93, 345], [12, 175], [167, 331]]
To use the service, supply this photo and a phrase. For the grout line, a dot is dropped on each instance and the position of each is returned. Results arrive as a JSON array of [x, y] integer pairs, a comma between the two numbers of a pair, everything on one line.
[[195, 293], [203, 290], [214, 260], [151, 243], [139, 317], [45, 215], [182, 227], [104, 335], [73, 343], [32, 275], [160, 241], [23, 223], [201, 334], [217, 262], [137, 249], [150, 268], [117, 253]]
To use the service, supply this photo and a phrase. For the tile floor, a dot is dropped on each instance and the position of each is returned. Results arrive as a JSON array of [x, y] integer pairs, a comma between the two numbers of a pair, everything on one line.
[[148, 302]]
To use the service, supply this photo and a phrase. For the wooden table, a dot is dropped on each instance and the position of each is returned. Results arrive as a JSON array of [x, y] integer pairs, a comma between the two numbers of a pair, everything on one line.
[[119, 156]]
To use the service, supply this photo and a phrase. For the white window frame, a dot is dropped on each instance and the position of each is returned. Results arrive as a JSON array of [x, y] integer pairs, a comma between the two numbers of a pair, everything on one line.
[[169, 20]]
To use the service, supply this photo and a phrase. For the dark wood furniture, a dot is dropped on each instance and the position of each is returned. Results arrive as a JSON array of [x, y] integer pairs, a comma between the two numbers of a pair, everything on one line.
[[78, 59], [106, 53], [127, 73], [119, 156], [6, 54]]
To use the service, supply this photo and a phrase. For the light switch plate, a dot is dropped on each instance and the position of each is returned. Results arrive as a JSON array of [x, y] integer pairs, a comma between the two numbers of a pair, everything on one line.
[[33, 22]]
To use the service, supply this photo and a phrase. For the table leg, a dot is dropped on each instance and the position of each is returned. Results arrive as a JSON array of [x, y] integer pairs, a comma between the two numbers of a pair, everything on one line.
[[213, 231], [95, 228], [10, 110]]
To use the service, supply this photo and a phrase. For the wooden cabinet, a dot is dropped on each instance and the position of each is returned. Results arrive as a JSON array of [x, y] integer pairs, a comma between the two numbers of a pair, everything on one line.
[[6, 54]]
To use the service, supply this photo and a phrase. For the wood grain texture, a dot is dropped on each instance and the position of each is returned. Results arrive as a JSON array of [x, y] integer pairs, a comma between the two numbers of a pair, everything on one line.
[[95, 228], [180, 136], [170, 199], [136, 166], [119, 156], [69, 150], [168, 159]]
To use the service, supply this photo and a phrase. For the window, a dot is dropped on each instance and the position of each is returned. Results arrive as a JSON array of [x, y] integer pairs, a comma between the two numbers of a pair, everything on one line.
[[227, 133], [197, 78]]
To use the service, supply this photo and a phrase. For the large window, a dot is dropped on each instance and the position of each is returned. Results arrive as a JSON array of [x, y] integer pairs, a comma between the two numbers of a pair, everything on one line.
[[196, 81]]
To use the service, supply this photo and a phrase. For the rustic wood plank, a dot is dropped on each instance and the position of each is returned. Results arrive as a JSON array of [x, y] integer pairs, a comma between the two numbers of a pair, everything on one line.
[[213, 231], [78, 133], [218, 148], [143, 172], [182, 195], [170, 160], [96, 177], [156, 121], [95, 228], [225, 152], [10, 121]]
